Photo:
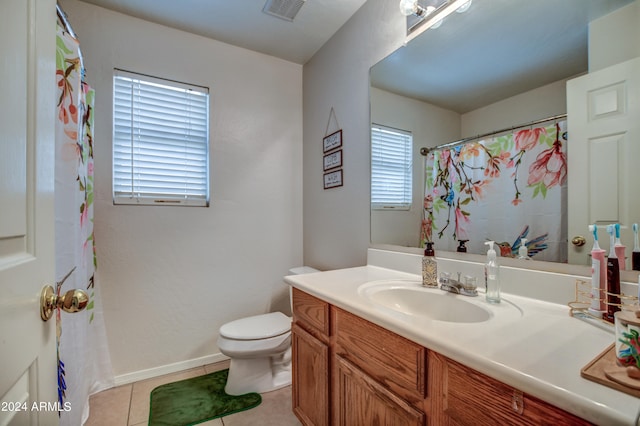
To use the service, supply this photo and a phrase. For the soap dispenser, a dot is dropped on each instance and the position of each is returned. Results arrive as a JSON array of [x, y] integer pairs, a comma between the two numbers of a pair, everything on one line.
[[461, 246], [492, 275], [523, 253], [429, 267]]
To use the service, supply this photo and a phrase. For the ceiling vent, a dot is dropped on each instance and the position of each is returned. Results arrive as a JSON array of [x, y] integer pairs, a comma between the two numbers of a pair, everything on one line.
[[284, 9]]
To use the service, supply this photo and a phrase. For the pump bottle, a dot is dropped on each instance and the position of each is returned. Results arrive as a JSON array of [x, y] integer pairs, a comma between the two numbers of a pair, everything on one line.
[[523, 253], [492, 275], [429, 267]]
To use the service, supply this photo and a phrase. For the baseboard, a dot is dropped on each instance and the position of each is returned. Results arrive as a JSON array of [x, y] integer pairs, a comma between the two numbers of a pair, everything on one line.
[[150, 373]]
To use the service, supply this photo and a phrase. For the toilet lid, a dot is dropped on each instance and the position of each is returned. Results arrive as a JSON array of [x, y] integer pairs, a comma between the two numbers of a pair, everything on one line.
[[257, 327]]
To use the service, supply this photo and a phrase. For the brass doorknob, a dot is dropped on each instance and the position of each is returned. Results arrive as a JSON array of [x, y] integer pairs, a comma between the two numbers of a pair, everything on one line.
[[72, 301], [578, 241]]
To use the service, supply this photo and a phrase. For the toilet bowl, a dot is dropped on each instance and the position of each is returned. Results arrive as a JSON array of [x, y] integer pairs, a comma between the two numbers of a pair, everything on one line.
[[259, 348]]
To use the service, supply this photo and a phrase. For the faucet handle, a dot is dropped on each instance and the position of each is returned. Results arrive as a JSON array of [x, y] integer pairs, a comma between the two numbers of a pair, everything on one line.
[[470, 283]]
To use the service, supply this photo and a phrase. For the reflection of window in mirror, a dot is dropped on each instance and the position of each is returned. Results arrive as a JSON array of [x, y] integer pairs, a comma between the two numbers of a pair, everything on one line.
[[391, 171]]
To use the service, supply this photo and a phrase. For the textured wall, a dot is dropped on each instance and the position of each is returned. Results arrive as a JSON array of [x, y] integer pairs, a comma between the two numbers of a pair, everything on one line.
[[336, 221], [171, 276]]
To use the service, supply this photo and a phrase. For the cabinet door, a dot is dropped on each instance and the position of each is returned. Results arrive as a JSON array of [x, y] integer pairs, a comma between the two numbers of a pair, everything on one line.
[[398, 363], [310, 384], [361, 401], [538, 412], [471, 398]]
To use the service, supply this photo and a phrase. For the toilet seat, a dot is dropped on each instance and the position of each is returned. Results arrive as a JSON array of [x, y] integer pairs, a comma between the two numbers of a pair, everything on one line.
[[257, 327], [259, 349]]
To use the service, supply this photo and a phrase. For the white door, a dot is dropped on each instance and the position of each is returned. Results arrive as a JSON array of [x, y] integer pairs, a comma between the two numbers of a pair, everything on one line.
[[603, 110], [28, 380]]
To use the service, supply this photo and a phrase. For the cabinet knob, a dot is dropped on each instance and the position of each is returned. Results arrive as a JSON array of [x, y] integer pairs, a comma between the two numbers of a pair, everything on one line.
[[517, 402]]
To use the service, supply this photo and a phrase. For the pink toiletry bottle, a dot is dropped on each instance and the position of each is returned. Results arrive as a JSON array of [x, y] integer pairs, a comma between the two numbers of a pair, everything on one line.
[[598, 276]]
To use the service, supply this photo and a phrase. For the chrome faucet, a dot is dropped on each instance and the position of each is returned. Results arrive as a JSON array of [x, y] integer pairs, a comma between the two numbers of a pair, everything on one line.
[[468, 288]]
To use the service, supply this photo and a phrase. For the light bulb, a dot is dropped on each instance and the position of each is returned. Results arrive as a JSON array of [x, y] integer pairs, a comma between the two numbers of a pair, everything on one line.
[[464, 7], [408, 7], [411, 7]]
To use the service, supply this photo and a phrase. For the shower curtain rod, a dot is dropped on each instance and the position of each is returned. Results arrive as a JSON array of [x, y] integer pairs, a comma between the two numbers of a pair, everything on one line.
[[425, 150], [62, 16]]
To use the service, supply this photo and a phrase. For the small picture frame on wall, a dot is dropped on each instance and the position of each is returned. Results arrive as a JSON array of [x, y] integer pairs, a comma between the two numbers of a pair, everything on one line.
[[333, 179], [331, 142], [332, 160]]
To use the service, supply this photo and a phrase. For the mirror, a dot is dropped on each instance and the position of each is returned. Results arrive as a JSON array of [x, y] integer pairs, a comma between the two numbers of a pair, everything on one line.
[[501, 64]]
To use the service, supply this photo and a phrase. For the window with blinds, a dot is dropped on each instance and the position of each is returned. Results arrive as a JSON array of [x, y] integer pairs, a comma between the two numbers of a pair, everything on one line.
[[391, 168], [160, 141]]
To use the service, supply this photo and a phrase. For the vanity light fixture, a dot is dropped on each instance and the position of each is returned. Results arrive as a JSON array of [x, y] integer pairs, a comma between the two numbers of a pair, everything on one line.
[[431, 16], [464, 7], [411, 7]]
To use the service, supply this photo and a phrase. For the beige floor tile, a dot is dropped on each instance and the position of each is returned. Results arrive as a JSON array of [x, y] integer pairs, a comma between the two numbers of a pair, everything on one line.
[[139, 412], [275, 410], [110, 407], [129, 404]]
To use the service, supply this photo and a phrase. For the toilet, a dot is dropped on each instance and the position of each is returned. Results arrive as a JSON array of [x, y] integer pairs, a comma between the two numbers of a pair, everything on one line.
[[260, 350]]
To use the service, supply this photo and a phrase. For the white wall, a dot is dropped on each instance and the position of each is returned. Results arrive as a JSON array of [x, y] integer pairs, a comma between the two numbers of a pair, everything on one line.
[[171, 276], [336, 221], [540, 103], [430, 126], [615, 37]]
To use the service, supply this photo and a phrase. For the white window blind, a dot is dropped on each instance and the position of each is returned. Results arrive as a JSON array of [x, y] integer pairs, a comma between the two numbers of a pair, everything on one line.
[[391, 168], [160, 141]]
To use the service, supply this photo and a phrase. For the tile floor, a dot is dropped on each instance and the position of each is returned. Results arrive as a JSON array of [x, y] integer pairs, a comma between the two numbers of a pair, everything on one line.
[[128, 405]]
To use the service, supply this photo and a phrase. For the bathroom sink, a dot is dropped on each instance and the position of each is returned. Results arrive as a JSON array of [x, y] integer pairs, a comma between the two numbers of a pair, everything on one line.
[[411, 299]]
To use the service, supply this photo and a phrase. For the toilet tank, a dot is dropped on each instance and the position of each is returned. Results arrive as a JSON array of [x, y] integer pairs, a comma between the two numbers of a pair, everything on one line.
[[298, 270]]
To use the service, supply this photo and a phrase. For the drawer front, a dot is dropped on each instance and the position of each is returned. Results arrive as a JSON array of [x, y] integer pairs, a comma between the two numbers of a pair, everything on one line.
[[311, 312], [538, 412], [471, 398], [398, 363]]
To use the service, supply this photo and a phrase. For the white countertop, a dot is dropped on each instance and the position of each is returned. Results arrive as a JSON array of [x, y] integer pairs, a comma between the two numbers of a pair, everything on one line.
[[529, 344]]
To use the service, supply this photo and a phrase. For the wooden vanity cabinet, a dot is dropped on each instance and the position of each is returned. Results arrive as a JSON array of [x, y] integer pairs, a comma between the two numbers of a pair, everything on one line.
[[310, 359], [348, 371], [471, 398], [358, 399], [379, 378]]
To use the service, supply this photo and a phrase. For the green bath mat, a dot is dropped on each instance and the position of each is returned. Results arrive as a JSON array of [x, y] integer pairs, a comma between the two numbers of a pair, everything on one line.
[[196, 400]]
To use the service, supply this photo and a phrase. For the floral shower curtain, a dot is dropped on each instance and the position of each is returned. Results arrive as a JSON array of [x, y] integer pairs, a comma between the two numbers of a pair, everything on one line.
[[84, 366], [502, 189]]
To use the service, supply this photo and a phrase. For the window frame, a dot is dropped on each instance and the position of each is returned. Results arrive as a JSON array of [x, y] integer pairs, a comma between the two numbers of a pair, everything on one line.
[[201, 144], [406, 199]]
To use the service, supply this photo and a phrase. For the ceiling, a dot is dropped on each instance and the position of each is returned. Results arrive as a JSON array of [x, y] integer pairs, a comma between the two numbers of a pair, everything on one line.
[[242, 22], [495, 50]]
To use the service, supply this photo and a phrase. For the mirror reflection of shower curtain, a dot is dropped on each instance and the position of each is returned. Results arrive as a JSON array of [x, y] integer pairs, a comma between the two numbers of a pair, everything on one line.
[[84, 365], [502, 189]]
